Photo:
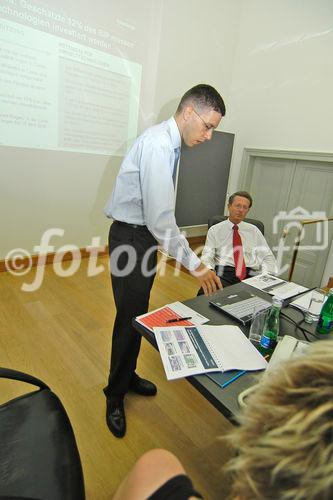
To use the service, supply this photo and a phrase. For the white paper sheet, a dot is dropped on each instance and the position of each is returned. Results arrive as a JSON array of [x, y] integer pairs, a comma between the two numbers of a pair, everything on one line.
[[303, 303], [275, 286], [192, 350]]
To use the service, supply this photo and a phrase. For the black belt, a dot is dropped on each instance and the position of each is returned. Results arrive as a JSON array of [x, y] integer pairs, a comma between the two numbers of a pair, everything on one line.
[[228, 269], [135, 226]]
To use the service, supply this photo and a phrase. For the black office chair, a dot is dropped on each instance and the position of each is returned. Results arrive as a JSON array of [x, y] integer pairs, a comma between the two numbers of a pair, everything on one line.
[[215, 219], [39, 458]]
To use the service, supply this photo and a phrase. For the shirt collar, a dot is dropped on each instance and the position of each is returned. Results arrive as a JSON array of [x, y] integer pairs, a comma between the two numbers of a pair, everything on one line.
[[231, 224], [174, 133]]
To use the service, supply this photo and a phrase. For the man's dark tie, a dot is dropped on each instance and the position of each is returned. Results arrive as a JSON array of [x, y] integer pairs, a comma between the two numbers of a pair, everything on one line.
[[240, 268], [174, 175]]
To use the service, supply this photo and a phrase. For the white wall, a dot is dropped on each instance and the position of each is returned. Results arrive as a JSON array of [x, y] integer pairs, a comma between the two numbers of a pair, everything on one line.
[[45, 189], [198, 44], [270, 60], [281, 93]]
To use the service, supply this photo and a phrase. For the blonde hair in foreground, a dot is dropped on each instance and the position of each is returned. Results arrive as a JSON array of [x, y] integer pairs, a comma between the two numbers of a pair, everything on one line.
[[284, 444]]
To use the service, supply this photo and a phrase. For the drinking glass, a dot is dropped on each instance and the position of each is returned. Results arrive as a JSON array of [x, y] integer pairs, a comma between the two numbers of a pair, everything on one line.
[[257, 325], [316, 303]]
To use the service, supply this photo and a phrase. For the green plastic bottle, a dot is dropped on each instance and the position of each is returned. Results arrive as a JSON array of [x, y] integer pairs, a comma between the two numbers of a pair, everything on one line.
[[271, 328], [325, 322]]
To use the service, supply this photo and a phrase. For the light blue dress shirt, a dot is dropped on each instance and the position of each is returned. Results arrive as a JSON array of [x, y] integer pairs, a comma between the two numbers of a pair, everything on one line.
[[144, 191]]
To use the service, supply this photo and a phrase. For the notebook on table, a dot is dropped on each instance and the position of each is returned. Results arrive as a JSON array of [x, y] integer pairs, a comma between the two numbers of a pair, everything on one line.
[[240, 305], [192, 350], [222, 378]]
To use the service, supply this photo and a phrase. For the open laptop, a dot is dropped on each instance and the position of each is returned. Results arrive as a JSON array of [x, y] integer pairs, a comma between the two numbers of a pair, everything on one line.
[[240, 305]]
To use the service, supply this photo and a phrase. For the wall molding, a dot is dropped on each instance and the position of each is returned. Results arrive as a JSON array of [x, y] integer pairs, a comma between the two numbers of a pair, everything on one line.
[[195, 231], [80, 253], [290, 153], [250, 153], [49, 258]]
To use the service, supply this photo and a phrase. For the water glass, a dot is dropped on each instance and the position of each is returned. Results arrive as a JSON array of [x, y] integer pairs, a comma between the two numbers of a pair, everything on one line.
[[315, 304], [257, 325]]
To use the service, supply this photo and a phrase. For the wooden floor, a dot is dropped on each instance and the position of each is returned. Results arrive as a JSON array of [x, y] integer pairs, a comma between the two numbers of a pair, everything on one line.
[[62, 334]]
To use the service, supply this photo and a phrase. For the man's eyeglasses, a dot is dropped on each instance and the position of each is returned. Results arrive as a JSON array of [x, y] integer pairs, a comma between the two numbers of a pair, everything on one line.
[[208, 126]]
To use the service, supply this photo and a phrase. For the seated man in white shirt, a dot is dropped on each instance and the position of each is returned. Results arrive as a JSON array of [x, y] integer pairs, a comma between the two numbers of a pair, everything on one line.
[[236, 249]]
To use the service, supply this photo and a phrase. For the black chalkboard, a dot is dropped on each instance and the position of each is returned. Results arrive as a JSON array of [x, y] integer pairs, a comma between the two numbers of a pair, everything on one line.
[[203, 180]]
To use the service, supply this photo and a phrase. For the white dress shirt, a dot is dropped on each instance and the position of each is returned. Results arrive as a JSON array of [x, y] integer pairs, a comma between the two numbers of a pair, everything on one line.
[[144, 191], [218, 249]]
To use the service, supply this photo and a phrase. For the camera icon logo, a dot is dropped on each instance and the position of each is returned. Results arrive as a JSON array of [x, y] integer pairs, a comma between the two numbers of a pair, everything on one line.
[[299, 219]]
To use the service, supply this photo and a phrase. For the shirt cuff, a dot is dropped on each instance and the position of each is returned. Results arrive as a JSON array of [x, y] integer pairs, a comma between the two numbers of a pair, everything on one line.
[[194, 262]]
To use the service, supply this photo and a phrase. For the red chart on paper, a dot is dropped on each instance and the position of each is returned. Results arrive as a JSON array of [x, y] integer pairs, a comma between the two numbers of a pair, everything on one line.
[[160, 317]]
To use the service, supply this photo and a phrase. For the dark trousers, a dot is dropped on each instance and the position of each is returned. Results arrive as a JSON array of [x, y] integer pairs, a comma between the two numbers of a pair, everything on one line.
[[131, 292], [228, 276]]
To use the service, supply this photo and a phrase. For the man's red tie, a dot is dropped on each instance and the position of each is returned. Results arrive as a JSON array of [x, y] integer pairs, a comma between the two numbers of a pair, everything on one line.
[[240, 268]]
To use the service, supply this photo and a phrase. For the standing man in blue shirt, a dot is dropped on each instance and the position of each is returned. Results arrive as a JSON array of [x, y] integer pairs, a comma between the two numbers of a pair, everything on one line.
[[142, 209]]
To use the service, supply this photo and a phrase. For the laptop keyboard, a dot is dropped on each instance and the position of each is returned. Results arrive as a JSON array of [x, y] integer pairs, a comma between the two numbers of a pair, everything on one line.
[[247, 307]]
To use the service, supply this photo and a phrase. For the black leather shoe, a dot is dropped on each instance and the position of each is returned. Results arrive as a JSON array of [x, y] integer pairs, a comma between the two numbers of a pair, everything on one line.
[[115, 417], [142, 386]]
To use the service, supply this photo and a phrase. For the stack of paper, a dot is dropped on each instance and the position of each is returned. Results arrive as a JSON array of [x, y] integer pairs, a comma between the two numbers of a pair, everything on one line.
[[315, 297], [275, 286], [192, 350]]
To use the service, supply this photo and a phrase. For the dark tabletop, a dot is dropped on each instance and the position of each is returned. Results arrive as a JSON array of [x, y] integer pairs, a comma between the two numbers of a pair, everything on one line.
[[225, 400]]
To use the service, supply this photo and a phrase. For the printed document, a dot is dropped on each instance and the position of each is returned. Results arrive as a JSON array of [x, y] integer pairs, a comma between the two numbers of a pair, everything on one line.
[[176, 310], [275, 286], [190, 350]]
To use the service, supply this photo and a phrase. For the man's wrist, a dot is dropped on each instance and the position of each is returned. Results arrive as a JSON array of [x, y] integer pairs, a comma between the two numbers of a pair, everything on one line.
[[194, 263]]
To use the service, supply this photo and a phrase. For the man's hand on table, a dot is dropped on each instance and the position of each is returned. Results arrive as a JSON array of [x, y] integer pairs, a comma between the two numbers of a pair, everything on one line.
[[208, 279]]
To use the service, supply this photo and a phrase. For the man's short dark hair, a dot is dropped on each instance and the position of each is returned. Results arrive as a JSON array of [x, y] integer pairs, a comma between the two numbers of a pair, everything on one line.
[[243, 194], [203, 96]]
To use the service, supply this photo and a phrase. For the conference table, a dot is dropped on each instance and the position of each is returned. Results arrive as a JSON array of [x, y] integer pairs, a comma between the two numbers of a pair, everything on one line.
[[226, 399]]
